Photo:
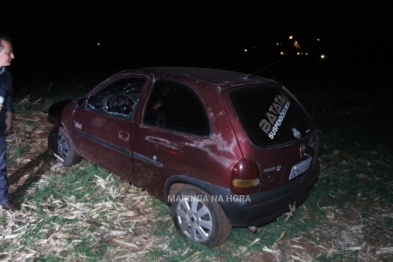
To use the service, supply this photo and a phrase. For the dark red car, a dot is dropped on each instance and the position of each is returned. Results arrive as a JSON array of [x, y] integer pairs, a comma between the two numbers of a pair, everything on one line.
[[225, 149]]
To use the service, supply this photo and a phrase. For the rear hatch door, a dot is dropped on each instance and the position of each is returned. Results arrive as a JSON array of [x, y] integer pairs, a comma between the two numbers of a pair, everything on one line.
[[274, 129]]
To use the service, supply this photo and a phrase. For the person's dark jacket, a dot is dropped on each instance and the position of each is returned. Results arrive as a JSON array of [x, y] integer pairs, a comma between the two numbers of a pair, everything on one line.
[[5, 91]]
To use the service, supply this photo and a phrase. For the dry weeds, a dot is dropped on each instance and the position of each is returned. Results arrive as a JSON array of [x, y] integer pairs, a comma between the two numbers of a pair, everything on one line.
[[127, 221]]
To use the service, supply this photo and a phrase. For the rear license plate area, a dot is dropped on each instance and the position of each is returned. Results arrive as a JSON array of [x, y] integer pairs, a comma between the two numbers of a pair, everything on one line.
[[300, 168]]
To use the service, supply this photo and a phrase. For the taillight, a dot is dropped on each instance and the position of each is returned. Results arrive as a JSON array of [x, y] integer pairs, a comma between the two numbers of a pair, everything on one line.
[[245, 177]]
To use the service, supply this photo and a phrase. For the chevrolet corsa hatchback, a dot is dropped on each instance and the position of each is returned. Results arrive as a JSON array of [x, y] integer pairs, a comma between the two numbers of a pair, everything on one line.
[[224, 149]]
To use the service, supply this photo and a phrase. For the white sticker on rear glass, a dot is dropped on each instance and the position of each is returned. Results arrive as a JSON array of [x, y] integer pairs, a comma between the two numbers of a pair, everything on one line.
[[275, 116]]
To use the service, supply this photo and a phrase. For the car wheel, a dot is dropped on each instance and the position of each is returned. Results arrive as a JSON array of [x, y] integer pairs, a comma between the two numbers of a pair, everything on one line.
[[60, 144], [199, 217], [52, 140]]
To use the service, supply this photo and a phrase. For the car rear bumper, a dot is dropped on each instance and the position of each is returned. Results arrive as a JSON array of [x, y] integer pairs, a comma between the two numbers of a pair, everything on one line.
[[258, 208], [264, 207]]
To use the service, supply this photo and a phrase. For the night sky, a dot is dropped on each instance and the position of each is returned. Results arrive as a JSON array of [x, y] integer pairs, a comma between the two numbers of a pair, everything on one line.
[[59, 29]]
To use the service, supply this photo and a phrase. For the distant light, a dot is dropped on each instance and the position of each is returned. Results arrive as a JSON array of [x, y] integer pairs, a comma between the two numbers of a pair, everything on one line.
[[278, 43], [98, 44], [254, 47], [245, 50], [318, 39], [322, 56], [291, 36], [306, 53], [281, 53], [296, 45]]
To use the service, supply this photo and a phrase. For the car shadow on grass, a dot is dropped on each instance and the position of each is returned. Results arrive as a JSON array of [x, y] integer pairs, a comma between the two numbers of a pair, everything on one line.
[[21, 180]]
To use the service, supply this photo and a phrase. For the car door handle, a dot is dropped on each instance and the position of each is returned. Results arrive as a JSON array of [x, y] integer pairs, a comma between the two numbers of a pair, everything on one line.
[[123, 135]]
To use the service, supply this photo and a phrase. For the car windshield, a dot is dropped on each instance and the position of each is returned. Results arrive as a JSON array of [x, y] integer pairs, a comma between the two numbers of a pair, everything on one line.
[[270, 115], [119, 97]]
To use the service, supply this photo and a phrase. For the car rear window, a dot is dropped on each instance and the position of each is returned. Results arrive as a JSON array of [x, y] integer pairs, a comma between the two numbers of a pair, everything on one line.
[[270, 115]]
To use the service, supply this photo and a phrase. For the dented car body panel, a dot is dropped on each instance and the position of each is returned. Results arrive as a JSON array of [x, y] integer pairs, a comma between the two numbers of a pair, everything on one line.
[[199, 126]]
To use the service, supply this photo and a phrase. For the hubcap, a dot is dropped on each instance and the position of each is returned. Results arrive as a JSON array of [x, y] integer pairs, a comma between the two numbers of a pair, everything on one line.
[[63, 146], [194, 218]]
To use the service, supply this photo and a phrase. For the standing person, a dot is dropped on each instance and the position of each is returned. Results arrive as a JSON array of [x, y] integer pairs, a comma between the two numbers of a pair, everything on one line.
[[6, 56]]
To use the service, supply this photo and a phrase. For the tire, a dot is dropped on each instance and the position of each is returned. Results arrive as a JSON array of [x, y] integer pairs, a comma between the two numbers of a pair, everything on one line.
[[60, 144], [52, 140], [199, 217]]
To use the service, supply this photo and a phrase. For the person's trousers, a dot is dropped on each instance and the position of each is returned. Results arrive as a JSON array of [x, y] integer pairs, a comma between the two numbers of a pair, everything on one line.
[[4, 195]]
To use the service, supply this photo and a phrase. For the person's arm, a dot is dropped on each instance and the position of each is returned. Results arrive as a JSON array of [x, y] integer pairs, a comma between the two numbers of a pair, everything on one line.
[[8, 121]]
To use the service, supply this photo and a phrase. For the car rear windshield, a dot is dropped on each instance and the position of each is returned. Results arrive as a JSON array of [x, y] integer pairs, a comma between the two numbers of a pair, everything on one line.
[[270, 115]]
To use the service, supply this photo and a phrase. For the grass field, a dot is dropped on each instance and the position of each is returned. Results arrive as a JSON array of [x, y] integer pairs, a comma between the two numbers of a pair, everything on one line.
[[85, 213]]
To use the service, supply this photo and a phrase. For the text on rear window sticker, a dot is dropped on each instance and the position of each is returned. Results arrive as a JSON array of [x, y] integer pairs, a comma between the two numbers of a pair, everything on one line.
[[274, 117]]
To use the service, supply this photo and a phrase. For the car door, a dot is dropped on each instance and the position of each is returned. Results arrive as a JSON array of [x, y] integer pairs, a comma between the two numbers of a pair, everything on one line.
[[104, 128], [175, 137]]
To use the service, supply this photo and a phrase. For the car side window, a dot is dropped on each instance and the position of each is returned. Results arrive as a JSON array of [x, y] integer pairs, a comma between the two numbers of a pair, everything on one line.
[[177, 107], [118, 98]]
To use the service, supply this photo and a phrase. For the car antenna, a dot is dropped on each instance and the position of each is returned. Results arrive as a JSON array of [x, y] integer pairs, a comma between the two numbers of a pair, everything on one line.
[[252, 74]]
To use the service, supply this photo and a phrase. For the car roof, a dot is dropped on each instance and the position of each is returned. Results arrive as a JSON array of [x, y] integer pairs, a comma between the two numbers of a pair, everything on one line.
[[216, 76]]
